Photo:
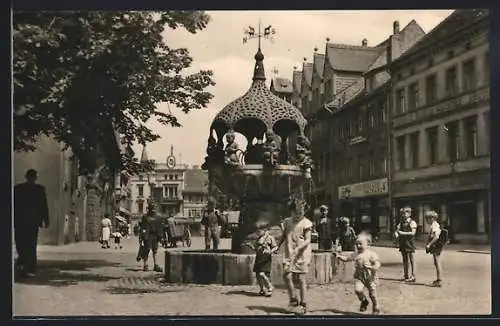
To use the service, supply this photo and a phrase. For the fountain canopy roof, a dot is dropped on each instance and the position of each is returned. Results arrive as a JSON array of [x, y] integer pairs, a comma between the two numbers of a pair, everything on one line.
[[259, 104]]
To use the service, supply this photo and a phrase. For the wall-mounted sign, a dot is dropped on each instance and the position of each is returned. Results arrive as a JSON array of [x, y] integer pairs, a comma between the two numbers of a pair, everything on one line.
[[357, 140], [364, 189]]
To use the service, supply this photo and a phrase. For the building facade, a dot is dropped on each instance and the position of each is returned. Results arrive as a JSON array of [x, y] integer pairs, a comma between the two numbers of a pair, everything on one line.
[[178, 189], [195, 194], [359, 120], [440, 118]]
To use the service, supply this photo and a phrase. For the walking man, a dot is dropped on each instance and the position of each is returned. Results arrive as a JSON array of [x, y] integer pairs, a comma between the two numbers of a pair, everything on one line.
[[325, 229], [30, 213], [212, 221], [405, 233]]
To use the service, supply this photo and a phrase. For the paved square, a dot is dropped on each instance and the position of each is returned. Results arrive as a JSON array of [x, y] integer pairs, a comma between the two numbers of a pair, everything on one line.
[[82, 279]]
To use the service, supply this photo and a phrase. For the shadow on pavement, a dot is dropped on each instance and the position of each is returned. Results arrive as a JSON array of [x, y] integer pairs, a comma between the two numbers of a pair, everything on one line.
[[342, 312], [126, 290], [269, 310], [247, 293], [392, 264], [64, 273]]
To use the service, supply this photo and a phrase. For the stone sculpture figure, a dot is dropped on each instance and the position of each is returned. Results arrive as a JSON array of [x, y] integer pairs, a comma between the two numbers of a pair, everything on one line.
[[214, 153], [272, 148], [231, 150], [303, 153]]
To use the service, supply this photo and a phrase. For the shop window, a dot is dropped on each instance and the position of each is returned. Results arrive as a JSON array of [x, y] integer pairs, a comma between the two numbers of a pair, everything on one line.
[[463, 217], [451, 82]]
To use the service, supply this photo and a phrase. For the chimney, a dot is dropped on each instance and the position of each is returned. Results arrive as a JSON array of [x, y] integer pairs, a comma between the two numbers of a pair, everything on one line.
[[364, 42], [395, 27]]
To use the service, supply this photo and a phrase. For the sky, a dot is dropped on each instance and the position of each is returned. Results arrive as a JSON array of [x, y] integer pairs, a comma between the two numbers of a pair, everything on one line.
[[219, 47]]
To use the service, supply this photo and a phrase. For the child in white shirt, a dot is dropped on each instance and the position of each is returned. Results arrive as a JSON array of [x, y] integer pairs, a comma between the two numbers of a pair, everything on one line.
[[366, 264], [434, 246]]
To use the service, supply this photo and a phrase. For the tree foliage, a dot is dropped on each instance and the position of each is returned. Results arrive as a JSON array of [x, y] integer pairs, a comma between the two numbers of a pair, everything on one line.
[[79, 75]]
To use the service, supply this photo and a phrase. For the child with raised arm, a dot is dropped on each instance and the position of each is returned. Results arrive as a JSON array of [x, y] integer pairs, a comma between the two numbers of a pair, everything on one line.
[[366, 265]]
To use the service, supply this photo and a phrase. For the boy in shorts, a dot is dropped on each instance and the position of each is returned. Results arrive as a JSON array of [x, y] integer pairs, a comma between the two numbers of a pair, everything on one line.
[[265, 246], [434, 244]]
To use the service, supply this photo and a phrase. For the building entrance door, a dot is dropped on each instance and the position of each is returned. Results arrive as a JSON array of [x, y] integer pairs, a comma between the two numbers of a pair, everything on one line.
[[463, 217]]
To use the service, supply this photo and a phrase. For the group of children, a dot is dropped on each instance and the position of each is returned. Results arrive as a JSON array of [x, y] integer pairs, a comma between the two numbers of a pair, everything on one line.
[[297, 256]]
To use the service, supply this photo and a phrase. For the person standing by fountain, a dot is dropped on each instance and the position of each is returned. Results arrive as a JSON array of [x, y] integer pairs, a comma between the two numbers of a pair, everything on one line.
[[212, 221], [298, 251], [325, 229]]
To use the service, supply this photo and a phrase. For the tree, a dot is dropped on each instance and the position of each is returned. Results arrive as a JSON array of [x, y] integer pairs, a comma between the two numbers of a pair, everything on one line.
[[80, 75]]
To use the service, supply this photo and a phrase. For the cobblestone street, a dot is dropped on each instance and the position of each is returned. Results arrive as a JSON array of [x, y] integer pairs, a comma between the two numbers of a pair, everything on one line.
[[82, 279]]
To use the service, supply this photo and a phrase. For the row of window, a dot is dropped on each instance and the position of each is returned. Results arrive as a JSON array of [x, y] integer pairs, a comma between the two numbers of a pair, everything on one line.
[[408, 99], [372, 118], [460, 137], [167, 177], [167, 191], [366, 166]]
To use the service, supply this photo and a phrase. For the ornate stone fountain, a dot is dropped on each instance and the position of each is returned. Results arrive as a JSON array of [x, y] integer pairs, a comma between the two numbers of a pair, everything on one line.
[[264, 176]]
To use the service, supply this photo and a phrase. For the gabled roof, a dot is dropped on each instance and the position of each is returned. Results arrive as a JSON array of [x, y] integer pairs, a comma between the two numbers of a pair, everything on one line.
[[297, 79], [281, 85], [350, 57], [319, 64], [307, 73], [195, 180], [348, 94], [459, 19]]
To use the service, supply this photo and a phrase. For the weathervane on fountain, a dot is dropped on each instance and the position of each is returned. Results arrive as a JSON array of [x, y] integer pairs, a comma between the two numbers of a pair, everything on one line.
[[268, 33]]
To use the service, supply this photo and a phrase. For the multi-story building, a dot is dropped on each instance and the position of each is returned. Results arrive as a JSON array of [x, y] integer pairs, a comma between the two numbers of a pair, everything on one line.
[[440, 118], [282, 87], [177, 188], [358, 117], [195, 194]]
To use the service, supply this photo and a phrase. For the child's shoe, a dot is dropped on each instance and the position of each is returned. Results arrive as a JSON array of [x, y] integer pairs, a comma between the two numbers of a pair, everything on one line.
[[437, 283], [376, 311], [157, 268], [145, 268], [364, 305], [301, 309], [293, 305], [262, 292]]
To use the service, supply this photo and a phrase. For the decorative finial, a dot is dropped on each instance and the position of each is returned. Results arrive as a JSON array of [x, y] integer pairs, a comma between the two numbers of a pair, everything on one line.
[[294, 67], [328, 39], [259, 56], [305, 59], [172, 150], [275, 71], [315, 49]]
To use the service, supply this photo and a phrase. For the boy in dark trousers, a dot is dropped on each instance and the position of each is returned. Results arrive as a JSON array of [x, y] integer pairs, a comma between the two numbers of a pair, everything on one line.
[[265, 246]]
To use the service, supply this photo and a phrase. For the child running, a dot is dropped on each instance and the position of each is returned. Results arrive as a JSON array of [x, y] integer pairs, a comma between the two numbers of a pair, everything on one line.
[[265, 246], [366, 265]]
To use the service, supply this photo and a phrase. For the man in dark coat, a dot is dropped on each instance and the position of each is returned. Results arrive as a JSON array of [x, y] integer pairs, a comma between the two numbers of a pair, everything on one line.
[[212, 221], [151, 234], [30, 213], [325, 228]]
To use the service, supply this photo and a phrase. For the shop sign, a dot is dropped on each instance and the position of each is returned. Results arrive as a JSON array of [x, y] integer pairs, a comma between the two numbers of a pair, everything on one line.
[[470, 181], [364, 189]]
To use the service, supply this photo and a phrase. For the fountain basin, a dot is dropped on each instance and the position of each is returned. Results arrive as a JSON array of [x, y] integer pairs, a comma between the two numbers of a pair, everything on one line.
[[227, 268]]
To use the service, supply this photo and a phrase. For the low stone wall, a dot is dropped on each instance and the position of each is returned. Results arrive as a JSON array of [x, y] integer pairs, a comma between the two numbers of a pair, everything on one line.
[[224, 267]]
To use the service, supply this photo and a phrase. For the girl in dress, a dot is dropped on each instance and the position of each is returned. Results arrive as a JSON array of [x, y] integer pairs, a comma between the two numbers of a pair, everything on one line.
[[105, 231]]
